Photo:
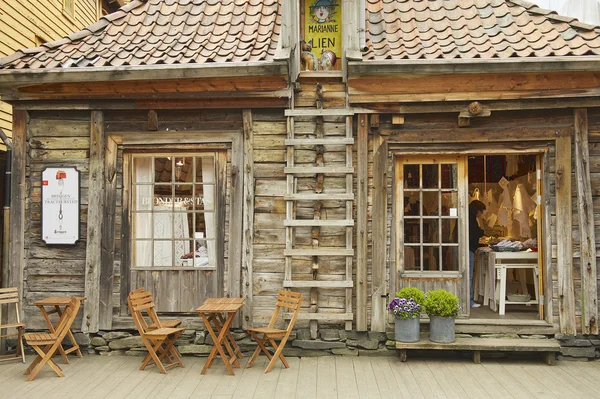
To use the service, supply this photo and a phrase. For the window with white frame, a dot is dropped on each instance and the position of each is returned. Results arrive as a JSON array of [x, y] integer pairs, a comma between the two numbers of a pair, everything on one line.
[[173, 210]]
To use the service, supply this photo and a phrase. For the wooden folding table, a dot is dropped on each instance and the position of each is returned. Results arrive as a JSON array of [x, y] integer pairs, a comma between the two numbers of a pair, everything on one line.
[[220, 312], [58, 303]]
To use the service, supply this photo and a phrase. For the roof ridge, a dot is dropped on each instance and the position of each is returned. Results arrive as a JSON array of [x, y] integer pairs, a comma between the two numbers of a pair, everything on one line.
[[70, 38], [553, 14]]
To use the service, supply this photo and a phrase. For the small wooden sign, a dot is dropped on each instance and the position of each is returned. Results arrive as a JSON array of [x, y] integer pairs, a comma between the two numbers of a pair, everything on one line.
[[60, 205]]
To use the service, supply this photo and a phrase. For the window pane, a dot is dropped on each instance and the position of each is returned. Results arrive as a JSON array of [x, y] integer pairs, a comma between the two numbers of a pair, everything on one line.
[[163, 169], [142, 170], [163, 198], [183, 197], [449, 203], [142, 253], [430, 258], [205, 197], [205, 169], [450, 258], [411, 176], [184, 169], [411, 203], [142, 197], [450, 231], [412, 258], [431, 231], [431, 200], [142, 225], [430, 176], [183, 252], [412, 231], [449, 175]]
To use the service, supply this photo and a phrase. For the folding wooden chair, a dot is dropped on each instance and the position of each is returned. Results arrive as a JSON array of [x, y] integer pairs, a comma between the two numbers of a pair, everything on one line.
[[10, 296], [154, 323], [288, 300], [46, 344], [160, 341]]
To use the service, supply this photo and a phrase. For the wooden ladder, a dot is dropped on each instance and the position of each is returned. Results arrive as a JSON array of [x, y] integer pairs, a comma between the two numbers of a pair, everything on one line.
[[321, 197]]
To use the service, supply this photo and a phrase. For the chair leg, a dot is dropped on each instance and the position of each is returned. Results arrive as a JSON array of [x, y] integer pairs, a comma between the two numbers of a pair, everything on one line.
[[46, 358], [261, 347], [276, 355], [281, 344], [154, 357]]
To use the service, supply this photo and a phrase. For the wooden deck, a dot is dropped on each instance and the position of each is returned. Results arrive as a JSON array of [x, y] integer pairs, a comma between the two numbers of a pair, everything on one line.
[[311, 377]]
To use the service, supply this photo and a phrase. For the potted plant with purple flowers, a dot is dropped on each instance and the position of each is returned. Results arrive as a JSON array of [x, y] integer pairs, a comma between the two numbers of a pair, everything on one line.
[[406, 307]]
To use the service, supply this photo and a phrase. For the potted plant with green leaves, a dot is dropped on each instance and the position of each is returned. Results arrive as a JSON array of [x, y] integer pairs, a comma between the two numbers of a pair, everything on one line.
[[442, 307], [407, 307]]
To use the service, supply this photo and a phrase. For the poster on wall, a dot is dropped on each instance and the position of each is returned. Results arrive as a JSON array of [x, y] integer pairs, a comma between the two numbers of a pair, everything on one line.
[[60, 205], [322, 42]]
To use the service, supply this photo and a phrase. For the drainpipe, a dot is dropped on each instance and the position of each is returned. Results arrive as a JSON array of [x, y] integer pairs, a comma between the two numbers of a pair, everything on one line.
[[362, 41], [6, 211]]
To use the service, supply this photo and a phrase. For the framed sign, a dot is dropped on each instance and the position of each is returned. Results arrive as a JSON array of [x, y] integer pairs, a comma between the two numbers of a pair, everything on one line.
[[60, 205]]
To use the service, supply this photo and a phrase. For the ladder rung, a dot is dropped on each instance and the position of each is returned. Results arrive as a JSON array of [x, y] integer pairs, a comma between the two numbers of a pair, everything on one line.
[[320, 112], [317, 284], [318, 222], [319, 197], [324, 141], [319, 252], [311, 170], [321, 316]]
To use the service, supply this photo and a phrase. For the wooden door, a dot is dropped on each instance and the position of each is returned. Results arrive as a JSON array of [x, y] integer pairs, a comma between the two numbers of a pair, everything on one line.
[[430, 197]]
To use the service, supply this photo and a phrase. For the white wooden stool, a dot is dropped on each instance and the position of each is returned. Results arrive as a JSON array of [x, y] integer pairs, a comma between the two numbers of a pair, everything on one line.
[[522, 262]]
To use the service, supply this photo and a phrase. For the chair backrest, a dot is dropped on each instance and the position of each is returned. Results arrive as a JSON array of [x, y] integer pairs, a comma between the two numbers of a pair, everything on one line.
[[67, 318], [288, 300], [140, 301], [9, 296]]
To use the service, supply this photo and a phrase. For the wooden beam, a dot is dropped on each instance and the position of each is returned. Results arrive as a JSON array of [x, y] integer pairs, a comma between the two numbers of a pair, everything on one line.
[[379, 291], [564, 225], [125, 235], [248, 222], [108, 235], [361, 223], [397, 119], [93, 258], [152, 120], [236, 219], [374, 118], [546, 241], [587, 236], [16, 256]]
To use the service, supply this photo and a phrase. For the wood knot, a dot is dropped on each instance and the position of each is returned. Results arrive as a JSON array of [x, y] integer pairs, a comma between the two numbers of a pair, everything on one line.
[[475, 108]]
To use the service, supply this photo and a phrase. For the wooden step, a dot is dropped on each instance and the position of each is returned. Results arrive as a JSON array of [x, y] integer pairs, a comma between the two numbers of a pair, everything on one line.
[[323, 141], [318, 222], [319, 252], [486, 344], [321, 316], [317, 284], [320, 112], [319, 197], [312, 170]]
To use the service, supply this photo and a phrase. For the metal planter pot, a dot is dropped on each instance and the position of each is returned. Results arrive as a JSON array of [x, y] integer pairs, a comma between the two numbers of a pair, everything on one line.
[[408, 330], [441, 329]]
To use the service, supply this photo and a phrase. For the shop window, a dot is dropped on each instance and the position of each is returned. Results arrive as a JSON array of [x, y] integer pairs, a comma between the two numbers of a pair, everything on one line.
[[430, 214], [321, 34], [174, 210]]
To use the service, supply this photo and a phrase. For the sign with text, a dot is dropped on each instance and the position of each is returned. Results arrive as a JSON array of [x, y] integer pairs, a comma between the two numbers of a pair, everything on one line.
[[60, 205], [323, 32]]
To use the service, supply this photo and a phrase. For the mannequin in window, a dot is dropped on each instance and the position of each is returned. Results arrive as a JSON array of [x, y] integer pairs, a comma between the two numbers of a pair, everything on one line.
[[476, 209]]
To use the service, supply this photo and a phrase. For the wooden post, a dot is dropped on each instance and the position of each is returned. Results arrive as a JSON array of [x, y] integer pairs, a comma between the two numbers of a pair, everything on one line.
[[587, 236], [361, 224], [93, 257], [125, 238], [379, 224], [236, 220], [564, 225], [16, 257], [248, 223], [108, 235]]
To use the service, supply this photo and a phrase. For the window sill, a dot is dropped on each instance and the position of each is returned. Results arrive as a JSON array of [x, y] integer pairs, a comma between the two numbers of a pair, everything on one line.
[[426, 275], [174, 268]]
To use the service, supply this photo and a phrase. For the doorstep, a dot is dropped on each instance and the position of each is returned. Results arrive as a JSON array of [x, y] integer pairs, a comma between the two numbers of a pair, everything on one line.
[[499, 326]]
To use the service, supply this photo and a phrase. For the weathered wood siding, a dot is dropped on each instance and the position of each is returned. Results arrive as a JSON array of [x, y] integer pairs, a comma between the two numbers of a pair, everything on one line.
[[535, 130], [28, 23], [55, 139]]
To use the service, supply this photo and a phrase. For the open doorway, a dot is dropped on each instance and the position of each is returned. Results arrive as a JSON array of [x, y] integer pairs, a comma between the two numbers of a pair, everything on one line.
[[507, 271]]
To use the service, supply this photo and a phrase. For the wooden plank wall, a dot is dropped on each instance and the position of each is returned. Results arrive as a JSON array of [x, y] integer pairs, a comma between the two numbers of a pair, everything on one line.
[[24, 23], [55, 139]]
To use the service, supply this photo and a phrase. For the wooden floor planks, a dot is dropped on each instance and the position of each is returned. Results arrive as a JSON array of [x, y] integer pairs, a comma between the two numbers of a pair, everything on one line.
[[327, 377]]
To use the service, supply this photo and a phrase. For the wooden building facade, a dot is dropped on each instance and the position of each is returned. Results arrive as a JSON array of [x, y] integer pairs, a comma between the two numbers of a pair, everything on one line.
[[217, 159]]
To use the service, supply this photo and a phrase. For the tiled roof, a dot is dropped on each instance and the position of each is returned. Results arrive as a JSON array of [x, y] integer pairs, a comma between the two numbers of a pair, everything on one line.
[[151, 32], [468, 29]]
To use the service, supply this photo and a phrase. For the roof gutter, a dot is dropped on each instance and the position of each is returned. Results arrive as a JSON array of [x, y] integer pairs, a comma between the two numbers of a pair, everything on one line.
[[436, 67], [10, 78]]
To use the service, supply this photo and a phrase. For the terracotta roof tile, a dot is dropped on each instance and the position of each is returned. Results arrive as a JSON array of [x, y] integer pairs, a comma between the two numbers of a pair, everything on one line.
[[146, 32], [466, 29]]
